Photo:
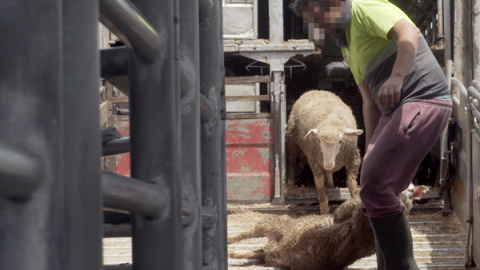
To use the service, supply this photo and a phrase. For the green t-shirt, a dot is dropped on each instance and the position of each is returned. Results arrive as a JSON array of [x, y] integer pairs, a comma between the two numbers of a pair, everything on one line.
[[368, 45]]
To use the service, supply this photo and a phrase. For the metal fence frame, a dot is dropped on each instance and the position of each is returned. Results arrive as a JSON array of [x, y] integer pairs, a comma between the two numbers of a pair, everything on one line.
[[52, 190]]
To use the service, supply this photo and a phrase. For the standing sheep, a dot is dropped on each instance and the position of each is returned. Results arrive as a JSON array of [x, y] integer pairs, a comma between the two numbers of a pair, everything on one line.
[[322, 128], [318, 242]]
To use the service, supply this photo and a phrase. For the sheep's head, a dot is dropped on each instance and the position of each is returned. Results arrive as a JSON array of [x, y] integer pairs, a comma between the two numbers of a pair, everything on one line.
[[411, 194], [331, 143]]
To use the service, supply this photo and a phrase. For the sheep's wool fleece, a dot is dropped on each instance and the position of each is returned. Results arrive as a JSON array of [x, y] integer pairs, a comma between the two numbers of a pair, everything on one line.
[[323, 110]]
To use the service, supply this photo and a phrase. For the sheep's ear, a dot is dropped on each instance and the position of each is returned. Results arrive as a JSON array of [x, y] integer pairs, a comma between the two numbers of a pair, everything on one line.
[[419, 191], [310, 133], [351, 131]]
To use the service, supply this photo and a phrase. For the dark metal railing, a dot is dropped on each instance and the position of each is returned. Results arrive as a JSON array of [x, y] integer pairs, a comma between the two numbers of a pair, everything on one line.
[[20, 172], [132, 28], [115, 147], [133, 195], [52, 190]]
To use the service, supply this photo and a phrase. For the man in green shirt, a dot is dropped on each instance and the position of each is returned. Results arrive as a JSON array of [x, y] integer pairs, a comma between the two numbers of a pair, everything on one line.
[[406, 106]]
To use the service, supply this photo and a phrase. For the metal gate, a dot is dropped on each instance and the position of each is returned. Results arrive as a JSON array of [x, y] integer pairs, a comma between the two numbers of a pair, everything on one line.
[[249, 140], [52, 191]]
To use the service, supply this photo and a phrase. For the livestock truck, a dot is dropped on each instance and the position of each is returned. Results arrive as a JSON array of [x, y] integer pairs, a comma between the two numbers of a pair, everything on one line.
[[199, 92]]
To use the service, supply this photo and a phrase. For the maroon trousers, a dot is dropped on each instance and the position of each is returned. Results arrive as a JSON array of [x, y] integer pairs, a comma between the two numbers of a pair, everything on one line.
[[398, 146]]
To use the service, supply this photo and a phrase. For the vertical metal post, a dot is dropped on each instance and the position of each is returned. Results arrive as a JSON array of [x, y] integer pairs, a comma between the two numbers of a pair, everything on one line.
[[212, 86], [155, 141], [31, 87], [277, 86], [447, 29], [440, 30], [83, 199], [476, 39], [279, 112], [191, 162]]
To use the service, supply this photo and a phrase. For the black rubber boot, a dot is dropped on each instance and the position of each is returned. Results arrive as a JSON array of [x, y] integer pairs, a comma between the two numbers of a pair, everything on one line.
[[393, 236], [380, 259]]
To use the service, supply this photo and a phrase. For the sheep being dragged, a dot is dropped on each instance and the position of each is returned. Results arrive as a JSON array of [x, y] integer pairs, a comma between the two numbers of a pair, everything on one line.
[[322, 128], [318, 242]]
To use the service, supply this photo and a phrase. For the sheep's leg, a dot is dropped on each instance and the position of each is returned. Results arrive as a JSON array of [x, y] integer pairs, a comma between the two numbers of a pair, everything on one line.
[[329, 180], [258, 254], [320, 185], [322, 197], [261, 229], [352, 174]]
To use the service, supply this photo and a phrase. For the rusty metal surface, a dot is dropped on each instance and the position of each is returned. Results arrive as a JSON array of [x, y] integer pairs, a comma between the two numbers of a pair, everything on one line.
[[121, 163], [249, 152]]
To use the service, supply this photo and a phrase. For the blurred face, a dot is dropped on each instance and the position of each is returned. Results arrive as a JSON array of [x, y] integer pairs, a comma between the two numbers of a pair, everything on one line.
[[322, 18]]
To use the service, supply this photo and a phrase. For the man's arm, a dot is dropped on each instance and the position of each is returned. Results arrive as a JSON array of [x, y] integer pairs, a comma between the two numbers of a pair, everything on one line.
[[371, 113], [406, 35]]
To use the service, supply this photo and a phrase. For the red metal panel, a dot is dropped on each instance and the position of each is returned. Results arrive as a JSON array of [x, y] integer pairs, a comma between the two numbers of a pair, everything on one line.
[[122, 162], [250, 160], [249, 131]]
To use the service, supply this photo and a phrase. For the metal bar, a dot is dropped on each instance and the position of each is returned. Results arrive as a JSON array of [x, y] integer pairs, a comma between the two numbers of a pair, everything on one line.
[[32, 231], [133, 195], [279, 105], [114, 62], [248, 79], [206, 8], [121, 83], [81, 150], [475, 39], [190, 142], [208, 219], [233, 116], [447, 25], [132, 28], [476, 84], [213, 138], [248, 98], [476, 113], [156, 141], [21, 173], [470, 182], [474, 92], [207, 111], [115, 147], [444, 151], [440, 35], [461, 87], [188, 217]]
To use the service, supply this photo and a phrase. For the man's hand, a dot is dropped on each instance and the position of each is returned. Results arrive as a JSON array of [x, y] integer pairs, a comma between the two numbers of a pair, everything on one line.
[[406, 35], [389, 93]]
